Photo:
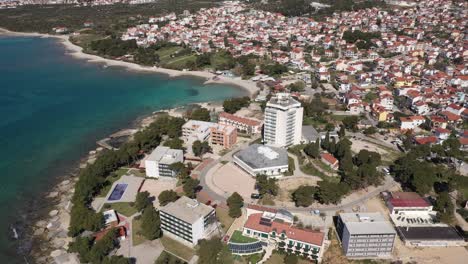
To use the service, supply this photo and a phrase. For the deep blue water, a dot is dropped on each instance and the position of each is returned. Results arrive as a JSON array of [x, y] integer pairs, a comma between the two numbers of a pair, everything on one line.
[[53, 108]]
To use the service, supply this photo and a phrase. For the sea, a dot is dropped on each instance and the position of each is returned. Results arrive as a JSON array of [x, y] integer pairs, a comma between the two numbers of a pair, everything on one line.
[[53, 109]]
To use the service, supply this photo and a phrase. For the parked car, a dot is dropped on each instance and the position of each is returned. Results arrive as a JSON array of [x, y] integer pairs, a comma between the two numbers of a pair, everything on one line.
[[255, 196]]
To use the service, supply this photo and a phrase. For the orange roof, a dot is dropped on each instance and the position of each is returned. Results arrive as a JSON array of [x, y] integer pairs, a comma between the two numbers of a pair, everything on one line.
[[247, 121], [463, 141], [426, 140], [329, 158], [307, 236]]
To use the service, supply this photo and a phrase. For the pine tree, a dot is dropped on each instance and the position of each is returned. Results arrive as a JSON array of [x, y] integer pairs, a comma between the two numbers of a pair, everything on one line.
[[326, 141], [235, 203], [150, 223], [342, 132]]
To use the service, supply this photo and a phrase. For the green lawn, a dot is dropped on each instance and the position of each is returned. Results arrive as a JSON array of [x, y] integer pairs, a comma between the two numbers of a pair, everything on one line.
[[165, 53], [122, 208], [137, 173], [136, 236], [181, 61], [237, 237], [177, 248], [311, 170], [223, 217]]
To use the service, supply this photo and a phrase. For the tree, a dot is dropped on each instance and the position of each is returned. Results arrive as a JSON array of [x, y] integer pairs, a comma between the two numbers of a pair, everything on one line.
[[201, 114], [330, 192], [266, 185], [174, 143], [326, 141], [213, 251], [350, 122], [342, 132], [370, 130], [367, 157], [235, 203], [103, 247], [142, 200], [290, 259], [313, 149], [304, 195], [199, 148], [235, 104], [167, 196], [151, 223], [116, 260], [82, 246], [190, 187], [298, 86], [444, 207]]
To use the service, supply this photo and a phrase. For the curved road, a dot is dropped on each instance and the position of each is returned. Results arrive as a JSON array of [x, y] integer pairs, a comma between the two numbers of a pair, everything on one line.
[[389, 183]]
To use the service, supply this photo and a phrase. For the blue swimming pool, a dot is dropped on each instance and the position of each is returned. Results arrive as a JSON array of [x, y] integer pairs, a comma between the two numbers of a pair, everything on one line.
[[118, 192]]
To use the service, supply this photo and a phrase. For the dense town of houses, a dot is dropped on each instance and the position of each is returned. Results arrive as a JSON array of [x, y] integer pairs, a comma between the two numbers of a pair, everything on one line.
[[402, 69]]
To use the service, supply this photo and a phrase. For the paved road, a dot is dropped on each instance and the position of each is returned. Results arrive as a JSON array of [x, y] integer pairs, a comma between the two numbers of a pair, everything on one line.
[[389, 183]]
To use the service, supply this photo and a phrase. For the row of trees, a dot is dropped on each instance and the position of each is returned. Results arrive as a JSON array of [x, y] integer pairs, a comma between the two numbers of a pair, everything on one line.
[[91, 251], [93, 177], [423, 169], [235, 104]]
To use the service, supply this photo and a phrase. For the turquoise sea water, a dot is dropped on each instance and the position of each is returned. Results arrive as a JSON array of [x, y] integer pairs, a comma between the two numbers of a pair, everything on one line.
[[53, 108]]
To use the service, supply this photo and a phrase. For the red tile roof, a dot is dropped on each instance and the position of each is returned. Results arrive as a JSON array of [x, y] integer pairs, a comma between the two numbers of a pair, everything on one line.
[[426, 140], [408, 199], [307, 236], [329, 158]]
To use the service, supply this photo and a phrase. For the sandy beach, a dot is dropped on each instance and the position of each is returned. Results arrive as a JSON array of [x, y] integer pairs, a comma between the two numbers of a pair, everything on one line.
[[77, 52]]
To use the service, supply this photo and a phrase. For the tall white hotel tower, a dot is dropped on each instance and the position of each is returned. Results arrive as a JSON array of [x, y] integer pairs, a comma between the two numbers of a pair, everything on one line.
[[283, 121]]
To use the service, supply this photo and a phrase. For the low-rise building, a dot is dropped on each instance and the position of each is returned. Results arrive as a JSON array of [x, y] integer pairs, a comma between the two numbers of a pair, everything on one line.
[[243, 125], [187, 220], [328, 159], [407, 202], [223, 135], [276, 228], [417, 224], [365, 235], [159, 161], [259, 159], [216, 134]]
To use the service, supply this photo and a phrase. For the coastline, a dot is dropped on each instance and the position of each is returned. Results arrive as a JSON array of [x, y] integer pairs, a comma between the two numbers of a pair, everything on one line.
[[77, 52], [48, 231]]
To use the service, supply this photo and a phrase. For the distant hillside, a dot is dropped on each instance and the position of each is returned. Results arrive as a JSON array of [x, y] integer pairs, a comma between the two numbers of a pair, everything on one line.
[[314, 8]]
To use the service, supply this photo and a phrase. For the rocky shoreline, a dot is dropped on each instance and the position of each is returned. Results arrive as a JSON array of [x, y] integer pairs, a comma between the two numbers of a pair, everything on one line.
[[50, 232]]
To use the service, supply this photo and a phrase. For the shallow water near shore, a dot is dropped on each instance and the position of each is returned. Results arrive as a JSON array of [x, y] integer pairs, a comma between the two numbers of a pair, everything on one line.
[[53, 109]]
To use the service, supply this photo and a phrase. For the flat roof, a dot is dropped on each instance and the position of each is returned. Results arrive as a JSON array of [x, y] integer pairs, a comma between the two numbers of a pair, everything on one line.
[[259, 156], [283, 100], [165, 155], [366, 223], [429, 233], [187, 210]]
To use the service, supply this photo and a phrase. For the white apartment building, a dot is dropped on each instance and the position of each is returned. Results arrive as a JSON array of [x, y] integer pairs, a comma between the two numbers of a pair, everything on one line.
[[365, 235], [195, 130], [283, 121], [159, 161], [187, 220]]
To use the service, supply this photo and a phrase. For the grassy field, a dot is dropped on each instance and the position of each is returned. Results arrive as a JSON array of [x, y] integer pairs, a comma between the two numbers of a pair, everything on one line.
[[224, 218], [136, 236], [237, 237], [123, 208], [177, 248]]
